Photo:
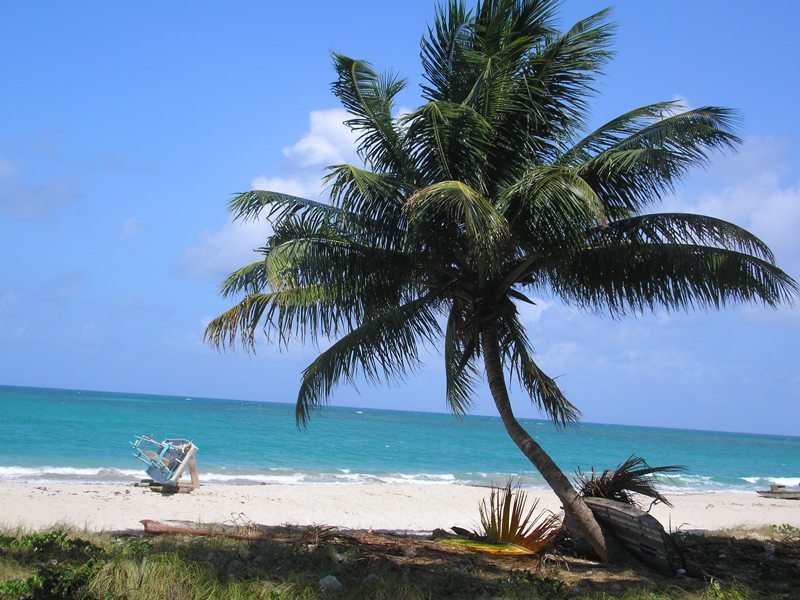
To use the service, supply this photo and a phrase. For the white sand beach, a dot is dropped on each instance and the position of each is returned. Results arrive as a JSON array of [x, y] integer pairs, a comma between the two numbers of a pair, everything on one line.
[[403, 507]]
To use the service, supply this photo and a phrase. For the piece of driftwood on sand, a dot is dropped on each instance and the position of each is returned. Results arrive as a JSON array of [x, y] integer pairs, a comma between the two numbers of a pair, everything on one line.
[[156, 528]]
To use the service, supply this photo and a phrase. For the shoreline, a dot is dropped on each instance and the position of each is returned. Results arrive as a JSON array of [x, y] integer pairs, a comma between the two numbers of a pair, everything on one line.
[[408, 507]]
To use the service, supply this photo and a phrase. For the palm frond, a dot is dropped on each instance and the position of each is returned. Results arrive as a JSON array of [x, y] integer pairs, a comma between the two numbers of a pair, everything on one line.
[[449, 142], [552, 207], [623, 278], [377, 198], [460, 350], [613, 132], [562, 74], [542, 389], [681, 228], [384, 348], [444, 53], [249, 279], [249, 206], [326, 257], [369, 97], [508, 36], [310, 287], [456, 204], [241, 321], [639, 169], [634, 476], [289, 314]]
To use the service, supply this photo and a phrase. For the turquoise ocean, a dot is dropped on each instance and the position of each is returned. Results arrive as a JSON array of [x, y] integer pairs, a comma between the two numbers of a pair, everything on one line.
[[53, 435]]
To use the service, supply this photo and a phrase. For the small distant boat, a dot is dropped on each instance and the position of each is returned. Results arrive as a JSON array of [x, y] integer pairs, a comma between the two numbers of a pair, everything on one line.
[[780, 492]]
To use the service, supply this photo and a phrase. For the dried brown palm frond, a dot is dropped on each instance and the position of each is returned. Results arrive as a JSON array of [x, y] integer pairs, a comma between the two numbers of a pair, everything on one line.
[[318, 534], [505, 518], [634, 476]]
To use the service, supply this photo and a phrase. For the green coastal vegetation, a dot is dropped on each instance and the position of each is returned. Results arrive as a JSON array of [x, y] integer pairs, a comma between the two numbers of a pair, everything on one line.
[[290, 564], [489, 195]]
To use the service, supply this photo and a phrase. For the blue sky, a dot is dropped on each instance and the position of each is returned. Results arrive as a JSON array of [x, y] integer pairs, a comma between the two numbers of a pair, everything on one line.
[[127, 127]]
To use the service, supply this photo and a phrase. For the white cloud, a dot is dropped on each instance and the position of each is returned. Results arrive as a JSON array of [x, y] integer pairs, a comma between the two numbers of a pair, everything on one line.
[[215, 254], [532, 313], [305, 186], [328, 140], [758, 155], [560, 357], [130, 228]]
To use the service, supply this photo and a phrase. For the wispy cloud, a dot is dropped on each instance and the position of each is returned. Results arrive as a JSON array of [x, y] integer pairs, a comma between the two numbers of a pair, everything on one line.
[[8, 300], [749, 188], [22, 199], [215, 254], [64, 286], [130, 228]]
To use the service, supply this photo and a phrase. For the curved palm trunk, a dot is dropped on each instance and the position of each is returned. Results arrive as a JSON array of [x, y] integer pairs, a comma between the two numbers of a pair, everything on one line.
[[576, 510]]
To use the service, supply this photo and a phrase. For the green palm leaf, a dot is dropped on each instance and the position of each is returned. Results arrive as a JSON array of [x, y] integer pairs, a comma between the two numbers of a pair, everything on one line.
[[633, 278], [542, 389], [370, 99], [455, 205], [385, 348], [460, 351], [450, 141], [248, 279], [641, 168]]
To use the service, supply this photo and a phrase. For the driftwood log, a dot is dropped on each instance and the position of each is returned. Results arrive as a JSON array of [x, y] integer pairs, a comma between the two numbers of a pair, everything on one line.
[[155, 528]]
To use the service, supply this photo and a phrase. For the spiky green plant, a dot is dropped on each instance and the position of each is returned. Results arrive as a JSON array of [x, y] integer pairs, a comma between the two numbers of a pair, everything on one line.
[[634, 476], [506, 517], [489, 192]]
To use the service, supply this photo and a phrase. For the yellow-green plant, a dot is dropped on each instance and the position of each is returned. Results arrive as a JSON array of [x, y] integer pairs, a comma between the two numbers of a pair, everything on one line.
[[506, 518]]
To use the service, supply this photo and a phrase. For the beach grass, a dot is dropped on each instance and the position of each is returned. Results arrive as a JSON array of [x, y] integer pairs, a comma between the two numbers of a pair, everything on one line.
[[289, 565]]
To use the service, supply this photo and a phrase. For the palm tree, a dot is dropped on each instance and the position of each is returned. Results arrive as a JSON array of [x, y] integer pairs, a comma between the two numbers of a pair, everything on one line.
[[487, 193]]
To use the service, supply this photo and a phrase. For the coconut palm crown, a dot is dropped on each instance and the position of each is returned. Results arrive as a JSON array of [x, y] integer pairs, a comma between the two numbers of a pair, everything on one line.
[[490, 193]]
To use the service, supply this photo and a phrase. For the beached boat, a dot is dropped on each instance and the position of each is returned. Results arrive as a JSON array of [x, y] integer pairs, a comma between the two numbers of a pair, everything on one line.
[[640, 533], [781, 492], [166, 462]]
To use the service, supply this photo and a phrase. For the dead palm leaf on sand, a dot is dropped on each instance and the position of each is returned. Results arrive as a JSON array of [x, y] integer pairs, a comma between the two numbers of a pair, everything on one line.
[[634, 476]]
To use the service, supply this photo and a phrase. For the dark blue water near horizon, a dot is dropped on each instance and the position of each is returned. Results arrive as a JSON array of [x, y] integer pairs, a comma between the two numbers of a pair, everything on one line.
[[77, 435]]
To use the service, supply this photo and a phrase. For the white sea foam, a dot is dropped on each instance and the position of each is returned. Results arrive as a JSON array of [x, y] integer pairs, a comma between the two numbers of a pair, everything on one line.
[[45, 474], [66, 474], [674, 484], [789, 481]]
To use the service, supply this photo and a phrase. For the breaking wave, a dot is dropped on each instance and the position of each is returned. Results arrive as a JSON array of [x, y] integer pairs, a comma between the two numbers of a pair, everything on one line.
[[674, 484]]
